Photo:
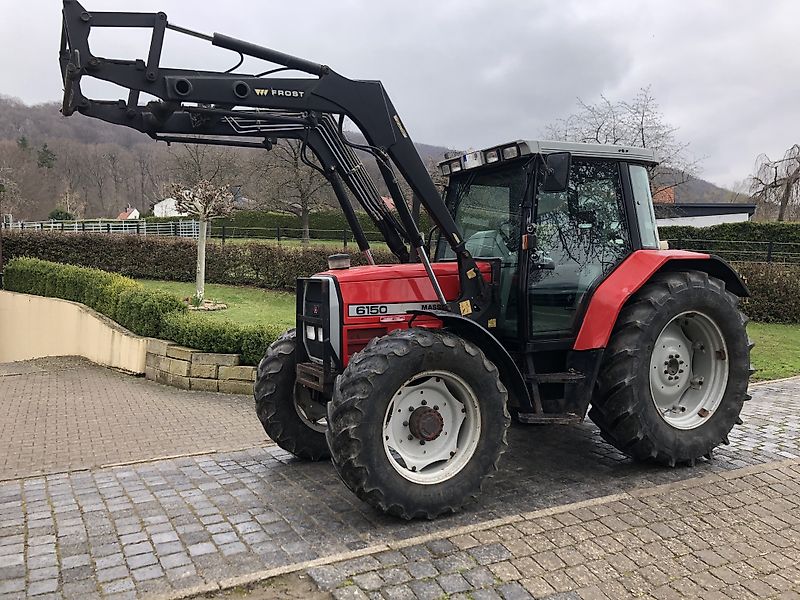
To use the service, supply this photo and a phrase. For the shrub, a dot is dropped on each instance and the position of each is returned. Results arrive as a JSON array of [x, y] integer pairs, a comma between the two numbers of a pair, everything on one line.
[[125, 301], [196, 331], [326, 224], [745, 241], [174, 259], [775, 292], [145, 312]]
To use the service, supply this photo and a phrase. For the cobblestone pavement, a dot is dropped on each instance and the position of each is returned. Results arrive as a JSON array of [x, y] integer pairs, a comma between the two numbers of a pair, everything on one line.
[[170, 525], [734, 535], [68, 414]]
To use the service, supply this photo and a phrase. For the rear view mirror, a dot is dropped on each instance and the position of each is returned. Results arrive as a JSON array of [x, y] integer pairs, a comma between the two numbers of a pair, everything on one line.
[[557, 172]]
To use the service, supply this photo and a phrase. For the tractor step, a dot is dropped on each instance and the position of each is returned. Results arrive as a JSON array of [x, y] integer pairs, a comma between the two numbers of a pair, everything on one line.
[[548, 419], [568, 377]]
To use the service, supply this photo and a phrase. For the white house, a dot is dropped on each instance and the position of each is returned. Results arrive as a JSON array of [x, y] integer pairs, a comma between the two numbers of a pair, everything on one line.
[[167, 208], [129, 214]]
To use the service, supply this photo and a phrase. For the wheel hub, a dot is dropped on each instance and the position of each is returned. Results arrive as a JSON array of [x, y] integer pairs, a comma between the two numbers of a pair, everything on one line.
[[432, 427], [426, 424], [688, 370]]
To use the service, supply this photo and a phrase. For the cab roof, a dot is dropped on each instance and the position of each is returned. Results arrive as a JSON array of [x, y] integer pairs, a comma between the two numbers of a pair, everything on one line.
[[515, 149]]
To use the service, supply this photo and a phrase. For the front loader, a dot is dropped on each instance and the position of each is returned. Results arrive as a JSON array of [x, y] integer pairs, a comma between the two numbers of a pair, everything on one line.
[[542, 293]]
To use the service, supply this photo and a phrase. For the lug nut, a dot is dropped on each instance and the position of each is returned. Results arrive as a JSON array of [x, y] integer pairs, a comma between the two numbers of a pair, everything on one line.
[[410, 409], [405, 423], [410, 437], [424, 403], [422, 442], [435, 407]]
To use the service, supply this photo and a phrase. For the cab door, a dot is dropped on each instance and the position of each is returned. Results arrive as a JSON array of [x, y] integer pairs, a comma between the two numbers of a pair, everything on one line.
[[579, 237]]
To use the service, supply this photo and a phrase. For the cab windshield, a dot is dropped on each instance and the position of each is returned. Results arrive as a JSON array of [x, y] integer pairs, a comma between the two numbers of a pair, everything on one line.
[[486, 207]]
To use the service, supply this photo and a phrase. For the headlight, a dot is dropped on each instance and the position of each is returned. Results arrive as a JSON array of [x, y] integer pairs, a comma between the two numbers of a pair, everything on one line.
[[491, 156], [510, 152]]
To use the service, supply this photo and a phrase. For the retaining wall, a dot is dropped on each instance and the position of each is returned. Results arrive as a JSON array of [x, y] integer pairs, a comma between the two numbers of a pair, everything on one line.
[[35, 327]]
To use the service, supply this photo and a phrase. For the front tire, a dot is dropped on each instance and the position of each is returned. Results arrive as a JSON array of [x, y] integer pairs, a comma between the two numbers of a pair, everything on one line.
[[417, 422], [675, 373], [290, 414]]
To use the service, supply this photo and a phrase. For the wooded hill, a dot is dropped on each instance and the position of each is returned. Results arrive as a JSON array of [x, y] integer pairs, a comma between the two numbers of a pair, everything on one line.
[[94, 169]]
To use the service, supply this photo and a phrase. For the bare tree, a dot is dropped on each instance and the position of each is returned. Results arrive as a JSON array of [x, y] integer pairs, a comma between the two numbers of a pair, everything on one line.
[[776, 183], [293, 185], [9, 192], [206, 201], [637, 122], [193, 163]]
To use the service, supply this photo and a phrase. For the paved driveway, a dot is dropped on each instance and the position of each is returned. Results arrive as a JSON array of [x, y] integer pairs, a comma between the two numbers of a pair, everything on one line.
[[166, 526], [67, 414]]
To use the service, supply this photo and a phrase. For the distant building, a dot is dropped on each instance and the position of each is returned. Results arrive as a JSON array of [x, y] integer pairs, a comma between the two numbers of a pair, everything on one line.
[[665, 195], [702, 215], [128, 214], [168, 207]]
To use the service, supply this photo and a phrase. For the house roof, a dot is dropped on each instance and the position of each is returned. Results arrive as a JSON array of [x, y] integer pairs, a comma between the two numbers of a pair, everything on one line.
[[126, 214]]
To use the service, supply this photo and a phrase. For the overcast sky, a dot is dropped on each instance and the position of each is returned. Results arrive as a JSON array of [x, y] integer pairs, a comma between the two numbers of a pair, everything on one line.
[[470, 73]]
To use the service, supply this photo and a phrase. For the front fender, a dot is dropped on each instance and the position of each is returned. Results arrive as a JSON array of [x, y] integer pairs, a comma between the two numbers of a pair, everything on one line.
[[468, 329]]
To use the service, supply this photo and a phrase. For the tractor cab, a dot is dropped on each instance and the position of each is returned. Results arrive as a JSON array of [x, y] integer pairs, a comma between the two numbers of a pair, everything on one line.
[[554, 243], [559, 217]]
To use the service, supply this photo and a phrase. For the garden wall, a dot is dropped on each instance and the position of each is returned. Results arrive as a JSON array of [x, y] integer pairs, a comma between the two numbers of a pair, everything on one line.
[[35, 327]]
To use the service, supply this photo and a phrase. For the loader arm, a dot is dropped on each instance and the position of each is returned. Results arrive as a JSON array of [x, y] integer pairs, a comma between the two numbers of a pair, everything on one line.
[[245, 110]]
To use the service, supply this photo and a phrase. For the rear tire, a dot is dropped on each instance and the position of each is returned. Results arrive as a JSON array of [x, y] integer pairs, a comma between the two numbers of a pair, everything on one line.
[[296, 423], [409, 387], [650, 402]]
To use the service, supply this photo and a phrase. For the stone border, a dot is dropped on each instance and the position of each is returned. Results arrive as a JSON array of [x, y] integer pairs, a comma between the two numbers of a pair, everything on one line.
[[258, 576], [189, 369]]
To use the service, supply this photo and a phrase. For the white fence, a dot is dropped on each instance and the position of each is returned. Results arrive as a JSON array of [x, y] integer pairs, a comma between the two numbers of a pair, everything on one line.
[[187, 229]]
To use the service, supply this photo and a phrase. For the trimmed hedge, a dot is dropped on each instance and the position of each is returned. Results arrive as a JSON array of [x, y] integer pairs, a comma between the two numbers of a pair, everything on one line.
[[197, 331], [174, 259], [775, 290], [746, 241], [323, 224], [745, 231], [119, 298], [144, 312]]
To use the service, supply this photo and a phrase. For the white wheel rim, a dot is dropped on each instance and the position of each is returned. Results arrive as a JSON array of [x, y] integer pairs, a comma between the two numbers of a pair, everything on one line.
[[312, 413], [689, 370], [436, 460]]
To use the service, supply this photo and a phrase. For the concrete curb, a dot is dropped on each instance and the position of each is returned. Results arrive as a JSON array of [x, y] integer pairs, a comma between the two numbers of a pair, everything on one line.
[[253, 578]]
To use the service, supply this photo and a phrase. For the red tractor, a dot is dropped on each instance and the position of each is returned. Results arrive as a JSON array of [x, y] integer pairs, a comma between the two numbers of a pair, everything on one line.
[[542, 293]]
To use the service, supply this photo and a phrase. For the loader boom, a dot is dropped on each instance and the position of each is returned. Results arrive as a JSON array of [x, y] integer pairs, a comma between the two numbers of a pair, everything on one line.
[[252, 110]]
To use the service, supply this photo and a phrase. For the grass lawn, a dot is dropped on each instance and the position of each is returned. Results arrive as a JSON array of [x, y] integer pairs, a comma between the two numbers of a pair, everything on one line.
[[777, 350], [776, 353], [247, 305]]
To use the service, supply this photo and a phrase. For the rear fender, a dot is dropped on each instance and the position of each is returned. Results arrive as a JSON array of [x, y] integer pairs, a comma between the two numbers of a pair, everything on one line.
[[714, 266], [484, 339], [636, 270]]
